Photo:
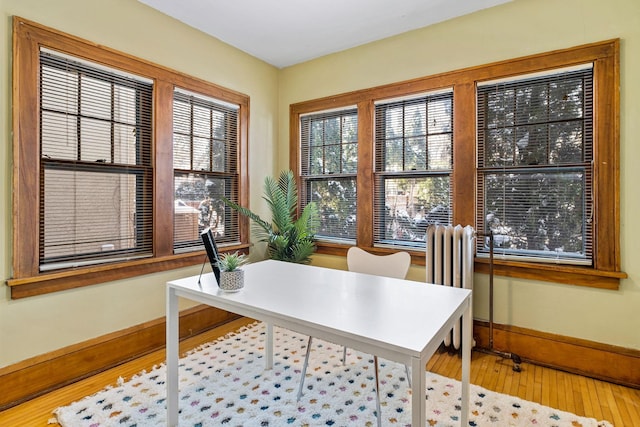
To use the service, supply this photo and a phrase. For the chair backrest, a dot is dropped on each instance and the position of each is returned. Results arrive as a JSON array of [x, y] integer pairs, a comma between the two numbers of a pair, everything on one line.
[[395, 265]]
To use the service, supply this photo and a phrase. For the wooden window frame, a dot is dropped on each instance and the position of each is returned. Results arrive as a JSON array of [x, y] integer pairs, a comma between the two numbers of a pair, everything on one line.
[[605, 57], [27, 280]]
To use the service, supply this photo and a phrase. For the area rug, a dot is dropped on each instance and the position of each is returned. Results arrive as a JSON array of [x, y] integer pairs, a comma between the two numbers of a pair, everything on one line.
[[224, 383]]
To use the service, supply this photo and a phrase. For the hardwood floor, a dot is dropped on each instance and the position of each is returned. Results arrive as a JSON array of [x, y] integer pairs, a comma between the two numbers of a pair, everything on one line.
[[573, 393]]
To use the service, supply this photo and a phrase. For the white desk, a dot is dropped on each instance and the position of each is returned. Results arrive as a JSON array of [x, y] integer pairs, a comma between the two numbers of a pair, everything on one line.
[[399, 320]]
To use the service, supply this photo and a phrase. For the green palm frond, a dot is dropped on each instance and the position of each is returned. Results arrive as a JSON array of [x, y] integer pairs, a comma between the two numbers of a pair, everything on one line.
[[277, 200], [288, 239], [309, 221]]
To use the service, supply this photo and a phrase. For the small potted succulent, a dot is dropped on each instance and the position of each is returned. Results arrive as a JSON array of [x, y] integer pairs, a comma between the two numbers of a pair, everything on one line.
[[231, 275]]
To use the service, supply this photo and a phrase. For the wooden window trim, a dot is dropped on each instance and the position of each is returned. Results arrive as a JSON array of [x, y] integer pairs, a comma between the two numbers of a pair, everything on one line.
[[605, 56], [27, 280]]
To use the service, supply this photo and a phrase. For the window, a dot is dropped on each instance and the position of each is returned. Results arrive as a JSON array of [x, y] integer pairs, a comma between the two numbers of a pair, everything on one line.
[[414, 141], [205, 139], [94, 182], [535, 145], [330, 164], [95, 145], [527, 147]]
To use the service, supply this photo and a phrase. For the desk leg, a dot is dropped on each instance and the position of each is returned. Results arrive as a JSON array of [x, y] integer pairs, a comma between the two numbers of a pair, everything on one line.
[[268, 348], [418, 392], [172, 349], [467, 326]]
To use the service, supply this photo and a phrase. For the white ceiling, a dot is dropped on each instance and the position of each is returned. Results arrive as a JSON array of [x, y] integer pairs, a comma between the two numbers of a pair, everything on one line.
[[287, 32]]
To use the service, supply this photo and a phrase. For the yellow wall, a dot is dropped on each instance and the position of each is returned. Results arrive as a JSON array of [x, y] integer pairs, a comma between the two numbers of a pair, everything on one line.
[[515, 29], [36, 325], [33, 326]]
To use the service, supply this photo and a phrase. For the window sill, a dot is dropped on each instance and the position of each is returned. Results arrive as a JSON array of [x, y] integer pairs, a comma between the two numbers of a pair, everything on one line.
[[555, 273], [75, 278], [565, 274]]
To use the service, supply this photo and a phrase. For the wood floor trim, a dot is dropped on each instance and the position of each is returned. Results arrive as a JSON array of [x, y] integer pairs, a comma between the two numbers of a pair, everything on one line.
[[605, 362], [41, 374]]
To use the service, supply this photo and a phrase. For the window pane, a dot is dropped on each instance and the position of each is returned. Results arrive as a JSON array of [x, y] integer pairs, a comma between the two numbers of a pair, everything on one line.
[[406, 130], [201, 121], [219, 121], [59, 136], [350, 158], [124, 100], [198, 205], [416, 154], [219, 156], [393, 155], [538, 213], [181, 117], [333, 158], [336, 200], [499, 147], [415, 118], [95, 98], [181, 152], [330, 143], [440, 156], [201, 154], [567, 143], [96, 141], [124, 144], [91, 214], [316, 160], [409, 205], [59, 90]]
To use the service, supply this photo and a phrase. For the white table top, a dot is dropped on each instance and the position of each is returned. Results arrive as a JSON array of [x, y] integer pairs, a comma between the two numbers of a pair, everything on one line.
[[405, 317]]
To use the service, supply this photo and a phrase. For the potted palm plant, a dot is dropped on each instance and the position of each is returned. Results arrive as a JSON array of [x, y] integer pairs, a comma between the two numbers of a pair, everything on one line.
[[231, 275], [288, 238]]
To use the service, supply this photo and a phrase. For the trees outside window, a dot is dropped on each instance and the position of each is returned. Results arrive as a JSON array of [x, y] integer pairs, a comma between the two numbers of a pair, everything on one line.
[[527, 148], [535, 144], [329, 145], [413, 164]]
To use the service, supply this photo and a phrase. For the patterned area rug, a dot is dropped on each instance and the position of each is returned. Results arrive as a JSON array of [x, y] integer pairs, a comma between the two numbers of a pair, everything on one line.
[[224, 383]]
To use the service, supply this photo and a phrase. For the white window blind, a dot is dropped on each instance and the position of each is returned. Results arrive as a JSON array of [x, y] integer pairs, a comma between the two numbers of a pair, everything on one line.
[[535, 154], [413, 165], [96, 176]]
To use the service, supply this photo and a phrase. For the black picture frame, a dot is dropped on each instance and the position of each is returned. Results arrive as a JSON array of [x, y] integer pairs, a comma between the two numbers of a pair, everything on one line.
[[212, 251]]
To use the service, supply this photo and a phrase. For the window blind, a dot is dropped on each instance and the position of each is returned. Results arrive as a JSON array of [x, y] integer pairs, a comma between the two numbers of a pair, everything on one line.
[[535, 173], [205, 161], [413, 165], [95, 182], [329, 153]]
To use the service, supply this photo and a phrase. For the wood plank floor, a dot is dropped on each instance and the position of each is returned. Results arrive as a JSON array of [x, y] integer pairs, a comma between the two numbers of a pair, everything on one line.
[[583, 396]]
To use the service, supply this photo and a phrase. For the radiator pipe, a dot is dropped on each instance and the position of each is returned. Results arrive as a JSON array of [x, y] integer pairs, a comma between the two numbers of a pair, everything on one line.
[[516, 359]]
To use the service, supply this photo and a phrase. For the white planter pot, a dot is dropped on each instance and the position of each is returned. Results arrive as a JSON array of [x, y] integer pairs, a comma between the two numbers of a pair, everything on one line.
[[232, 281]]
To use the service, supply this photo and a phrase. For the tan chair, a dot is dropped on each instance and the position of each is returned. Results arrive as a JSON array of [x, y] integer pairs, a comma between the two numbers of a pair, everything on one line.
[[395, 265]]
